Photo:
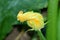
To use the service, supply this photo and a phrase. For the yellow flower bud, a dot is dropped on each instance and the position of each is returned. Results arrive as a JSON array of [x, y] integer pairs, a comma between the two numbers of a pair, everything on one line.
[[34, 20]]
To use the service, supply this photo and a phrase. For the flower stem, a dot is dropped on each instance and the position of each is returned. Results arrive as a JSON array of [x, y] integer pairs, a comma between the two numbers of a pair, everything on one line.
[[40, 35]]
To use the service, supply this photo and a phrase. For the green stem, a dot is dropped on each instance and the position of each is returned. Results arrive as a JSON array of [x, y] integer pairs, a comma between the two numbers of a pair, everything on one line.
[[52, 17], [58, 35], [46, 23], [41, 35]]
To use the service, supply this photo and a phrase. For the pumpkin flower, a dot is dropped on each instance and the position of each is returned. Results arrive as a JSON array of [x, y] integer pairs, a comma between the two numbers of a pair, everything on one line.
[[34, 20]]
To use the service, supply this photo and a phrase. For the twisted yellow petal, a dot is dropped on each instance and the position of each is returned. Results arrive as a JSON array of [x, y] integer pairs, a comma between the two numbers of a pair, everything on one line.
[[20, 17]]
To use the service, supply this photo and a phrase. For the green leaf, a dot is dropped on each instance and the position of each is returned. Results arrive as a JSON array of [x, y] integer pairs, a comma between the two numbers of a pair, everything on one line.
[[24, 4], [33, 5], [6, 26]]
